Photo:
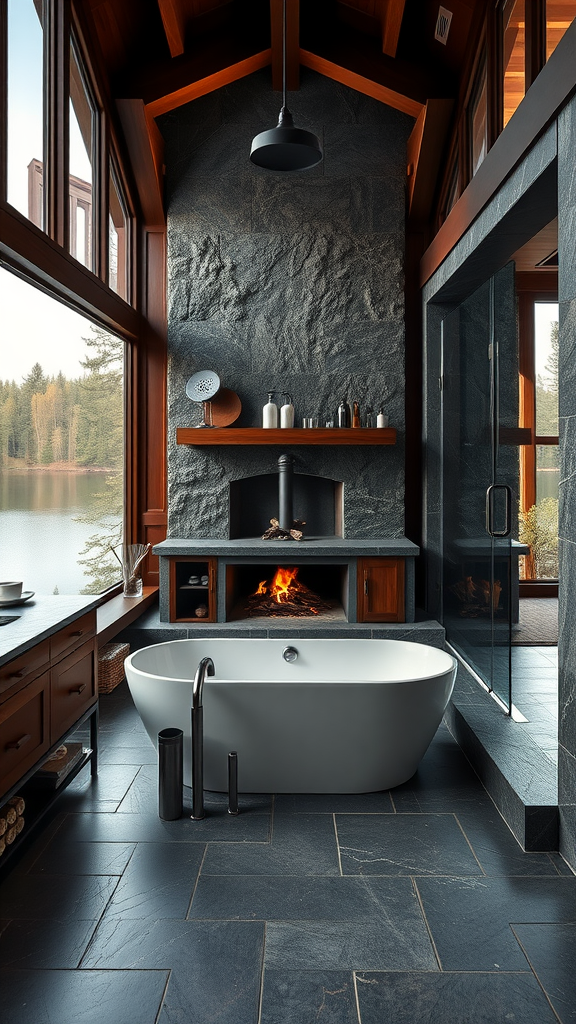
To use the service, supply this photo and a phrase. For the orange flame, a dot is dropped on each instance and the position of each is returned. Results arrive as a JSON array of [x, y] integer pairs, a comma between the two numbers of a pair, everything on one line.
[[261, 588], [283, 580]]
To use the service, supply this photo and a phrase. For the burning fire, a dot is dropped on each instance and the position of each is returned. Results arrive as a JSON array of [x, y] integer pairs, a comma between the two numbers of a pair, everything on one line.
[[283, 583]]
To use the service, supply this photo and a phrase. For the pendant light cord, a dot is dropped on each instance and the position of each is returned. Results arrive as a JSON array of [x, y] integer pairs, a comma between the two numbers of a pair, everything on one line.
[[284, 54]]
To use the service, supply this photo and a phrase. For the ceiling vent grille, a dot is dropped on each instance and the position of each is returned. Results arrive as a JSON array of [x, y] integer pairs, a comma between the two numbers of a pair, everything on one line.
[[443, 25]]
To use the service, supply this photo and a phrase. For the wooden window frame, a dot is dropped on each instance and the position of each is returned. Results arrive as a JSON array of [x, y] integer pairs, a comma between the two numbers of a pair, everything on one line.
[[533, 289], [42, 258]]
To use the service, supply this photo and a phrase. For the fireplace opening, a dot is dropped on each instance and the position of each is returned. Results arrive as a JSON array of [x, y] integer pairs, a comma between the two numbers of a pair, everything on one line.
[[287, 591]]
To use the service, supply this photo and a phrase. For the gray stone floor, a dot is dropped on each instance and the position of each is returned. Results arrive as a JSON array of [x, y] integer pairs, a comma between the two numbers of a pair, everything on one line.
[[410, 907]]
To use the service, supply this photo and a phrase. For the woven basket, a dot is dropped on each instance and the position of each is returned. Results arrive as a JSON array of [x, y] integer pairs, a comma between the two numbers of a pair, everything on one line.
[[111, 666]]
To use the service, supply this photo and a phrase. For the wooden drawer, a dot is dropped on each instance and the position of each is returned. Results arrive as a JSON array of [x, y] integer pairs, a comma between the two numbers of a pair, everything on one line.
[[74, 688], [22, 670], [24, 730], [381, 590], [74, 634]]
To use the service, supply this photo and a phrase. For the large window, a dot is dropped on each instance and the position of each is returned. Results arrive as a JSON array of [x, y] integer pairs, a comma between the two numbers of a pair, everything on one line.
[[514, 54], [478, 120], [540, 467], [62, 444], [82, 161], [25, 143]]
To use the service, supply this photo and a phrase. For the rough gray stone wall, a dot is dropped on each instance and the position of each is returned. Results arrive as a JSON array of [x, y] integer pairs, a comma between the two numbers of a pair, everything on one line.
[[289, 282]]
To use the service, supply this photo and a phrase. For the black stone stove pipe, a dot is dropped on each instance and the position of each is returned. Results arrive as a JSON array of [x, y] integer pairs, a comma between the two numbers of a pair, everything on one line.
[[286, 492]]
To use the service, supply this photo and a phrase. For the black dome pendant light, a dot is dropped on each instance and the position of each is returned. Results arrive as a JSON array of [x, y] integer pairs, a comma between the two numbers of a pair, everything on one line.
[[285, 148]]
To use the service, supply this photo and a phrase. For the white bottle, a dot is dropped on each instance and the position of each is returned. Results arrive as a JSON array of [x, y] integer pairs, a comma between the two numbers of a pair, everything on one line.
[[270, 412], [381, 419], [287, 413]]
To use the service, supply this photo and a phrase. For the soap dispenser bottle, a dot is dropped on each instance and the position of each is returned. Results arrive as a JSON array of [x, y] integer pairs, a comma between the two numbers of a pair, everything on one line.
[[270, 412], [344, 415], [287, 412]]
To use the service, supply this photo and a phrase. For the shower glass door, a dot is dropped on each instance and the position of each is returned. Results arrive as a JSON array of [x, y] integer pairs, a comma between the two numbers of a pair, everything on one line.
[[480, 478]]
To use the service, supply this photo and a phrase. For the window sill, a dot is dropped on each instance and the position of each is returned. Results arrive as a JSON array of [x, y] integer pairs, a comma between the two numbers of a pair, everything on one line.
[[120, 611]]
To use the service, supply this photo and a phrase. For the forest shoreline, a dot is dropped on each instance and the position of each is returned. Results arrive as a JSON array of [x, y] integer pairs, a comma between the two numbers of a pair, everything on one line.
[[59, 467]]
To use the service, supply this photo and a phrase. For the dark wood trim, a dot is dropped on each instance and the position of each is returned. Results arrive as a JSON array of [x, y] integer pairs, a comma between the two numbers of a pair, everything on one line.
[[210, 83], [56, 120], [33, 255], [553, 87], [538, 588], [391, 15], [172, 16], [424, 153], [146, 149], [540, 283], [118, 612], [361, 84], [535, 57], [292, 44], [291, 436]]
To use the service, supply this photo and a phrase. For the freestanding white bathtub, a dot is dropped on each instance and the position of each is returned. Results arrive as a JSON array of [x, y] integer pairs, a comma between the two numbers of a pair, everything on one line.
[[348, 716]]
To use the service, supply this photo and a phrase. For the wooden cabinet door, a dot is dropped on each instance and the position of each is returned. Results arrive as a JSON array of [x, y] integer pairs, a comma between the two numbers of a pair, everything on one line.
[[74, 688], [24, 730], [381, 590]]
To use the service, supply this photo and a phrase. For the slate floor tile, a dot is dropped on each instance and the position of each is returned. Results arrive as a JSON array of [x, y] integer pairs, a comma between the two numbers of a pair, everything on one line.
[[496, 848], [69, 858], [103, 793], [376, 945], [551, 952], [81, 997], [333, 803], [144, 753], [148, 828], [303, 844], [158, 881], [442, 998], [44, 944], [291, 997], [470, 919], [58, 897], [143, 796], [285, 898], [216, 965], [404, 844]]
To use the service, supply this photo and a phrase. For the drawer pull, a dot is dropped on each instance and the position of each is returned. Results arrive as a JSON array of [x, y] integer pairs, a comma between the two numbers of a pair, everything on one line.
[[366, 585], [78, 689], [78, 632], [16, 744], [16, 675]]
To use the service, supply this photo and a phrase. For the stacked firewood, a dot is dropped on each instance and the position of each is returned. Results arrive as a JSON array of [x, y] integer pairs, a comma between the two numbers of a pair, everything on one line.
[[297, 601], [11, 821], [275, 531]]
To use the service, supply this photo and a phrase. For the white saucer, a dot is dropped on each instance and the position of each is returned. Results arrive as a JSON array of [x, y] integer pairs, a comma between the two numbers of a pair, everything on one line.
[[25, 596]]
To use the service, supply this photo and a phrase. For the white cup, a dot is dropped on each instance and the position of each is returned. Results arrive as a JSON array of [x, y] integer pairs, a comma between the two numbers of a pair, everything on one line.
[[10, 591]]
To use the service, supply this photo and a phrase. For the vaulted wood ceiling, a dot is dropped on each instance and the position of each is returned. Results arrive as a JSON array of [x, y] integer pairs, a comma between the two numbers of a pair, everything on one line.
[[166, 52]]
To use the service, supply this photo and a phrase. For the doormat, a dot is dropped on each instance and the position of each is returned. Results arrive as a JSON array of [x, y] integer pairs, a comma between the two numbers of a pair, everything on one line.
[[538, 625]]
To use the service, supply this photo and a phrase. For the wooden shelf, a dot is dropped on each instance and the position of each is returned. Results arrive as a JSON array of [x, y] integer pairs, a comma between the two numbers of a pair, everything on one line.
[[286, 436]]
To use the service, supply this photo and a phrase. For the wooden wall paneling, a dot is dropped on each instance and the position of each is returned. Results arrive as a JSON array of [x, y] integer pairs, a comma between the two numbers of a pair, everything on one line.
[[146, 151], [540, 106], [173, 21], [209, 83], [364, 85], [391, 15], [292, 44], [424, 153], [57, 50]]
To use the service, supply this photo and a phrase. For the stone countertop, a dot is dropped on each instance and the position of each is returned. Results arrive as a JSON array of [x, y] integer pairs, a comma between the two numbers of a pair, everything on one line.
[[255, 547], [38, 619]]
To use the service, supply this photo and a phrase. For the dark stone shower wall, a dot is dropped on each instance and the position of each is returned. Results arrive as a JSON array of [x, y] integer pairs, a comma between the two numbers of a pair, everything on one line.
[[289, 282]]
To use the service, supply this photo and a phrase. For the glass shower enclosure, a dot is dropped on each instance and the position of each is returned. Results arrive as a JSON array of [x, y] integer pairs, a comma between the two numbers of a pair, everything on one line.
[[480, 472]]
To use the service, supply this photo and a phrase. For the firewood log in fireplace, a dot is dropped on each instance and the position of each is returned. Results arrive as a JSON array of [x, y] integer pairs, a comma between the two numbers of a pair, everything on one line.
[[275, 531]]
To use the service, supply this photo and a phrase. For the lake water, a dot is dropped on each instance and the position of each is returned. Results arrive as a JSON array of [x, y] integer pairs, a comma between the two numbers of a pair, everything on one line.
[[40, 541]]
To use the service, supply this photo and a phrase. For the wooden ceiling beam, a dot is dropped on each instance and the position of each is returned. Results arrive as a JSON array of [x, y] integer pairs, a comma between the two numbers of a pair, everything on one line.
[[364, 85], [292, 43], [424, 153], [202, 86], [146, 150], [391, 14], [173, 20]]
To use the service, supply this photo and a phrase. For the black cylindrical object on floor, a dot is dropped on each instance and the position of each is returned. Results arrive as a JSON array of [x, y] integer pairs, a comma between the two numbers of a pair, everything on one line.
[[233, 782], [170, 773]]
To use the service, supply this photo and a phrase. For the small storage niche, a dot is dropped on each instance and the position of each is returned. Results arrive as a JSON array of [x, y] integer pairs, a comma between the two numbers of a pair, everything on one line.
[[192, 590], [317, 500]]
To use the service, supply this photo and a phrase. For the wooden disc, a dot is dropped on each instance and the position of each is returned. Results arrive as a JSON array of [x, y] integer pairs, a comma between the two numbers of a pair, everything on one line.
[[226, 408]]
